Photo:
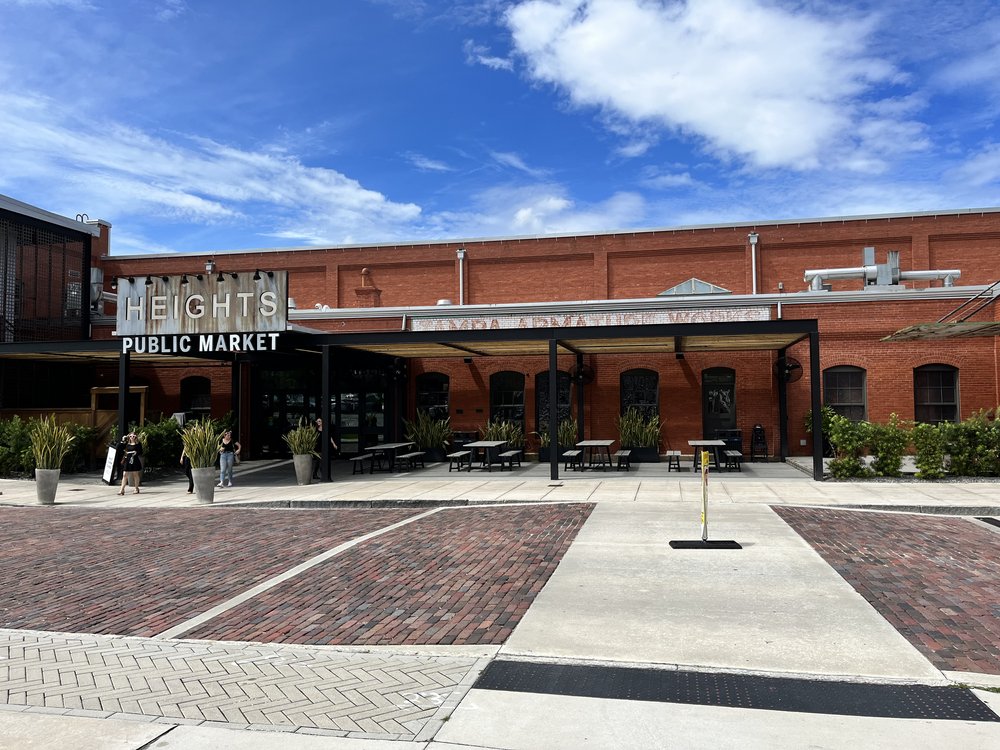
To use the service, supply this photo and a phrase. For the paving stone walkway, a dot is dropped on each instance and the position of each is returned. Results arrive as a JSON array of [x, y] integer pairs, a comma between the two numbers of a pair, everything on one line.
[[936, 580], [313, 691]]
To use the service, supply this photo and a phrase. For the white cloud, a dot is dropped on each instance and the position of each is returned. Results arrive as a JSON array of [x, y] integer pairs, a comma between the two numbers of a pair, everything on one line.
[[71, 4], [509, 159], [535, 210], [426, 164], [983, 168], [170, 9], [126, 172], [478, 54], [667, 181], [745, 77]]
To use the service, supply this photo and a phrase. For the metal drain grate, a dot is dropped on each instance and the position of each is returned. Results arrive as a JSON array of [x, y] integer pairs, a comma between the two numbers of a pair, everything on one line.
[[738, 691]]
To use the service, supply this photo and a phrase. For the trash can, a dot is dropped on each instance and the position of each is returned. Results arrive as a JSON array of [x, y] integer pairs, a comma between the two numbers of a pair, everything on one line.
[[732, 438]]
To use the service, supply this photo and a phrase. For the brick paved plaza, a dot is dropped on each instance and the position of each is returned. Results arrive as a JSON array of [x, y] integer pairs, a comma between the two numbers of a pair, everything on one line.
[[936, 580]]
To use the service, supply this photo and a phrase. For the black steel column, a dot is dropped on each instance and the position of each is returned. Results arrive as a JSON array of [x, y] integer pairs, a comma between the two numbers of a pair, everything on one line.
[[123, 376], [553, 410], [579, 399], [782, 410], [235, 381], [324, 411], [817, 407]]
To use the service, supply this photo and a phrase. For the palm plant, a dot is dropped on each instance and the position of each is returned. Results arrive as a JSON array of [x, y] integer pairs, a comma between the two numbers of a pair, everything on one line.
[[636, 429], [302, 439], [201, 442], [50, 442]]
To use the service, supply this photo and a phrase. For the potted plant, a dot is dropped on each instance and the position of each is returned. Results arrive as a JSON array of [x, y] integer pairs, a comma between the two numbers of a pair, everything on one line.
[[201, 444], [432, 436], [639, 432], [50, 442], [566, 434], [302, 443]]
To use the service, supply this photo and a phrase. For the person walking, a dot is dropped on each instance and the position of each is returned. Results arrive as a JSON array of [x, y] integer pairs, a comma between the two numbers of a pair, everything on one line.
[[186, 463], [317, 457], [131, 463], [229, 451]]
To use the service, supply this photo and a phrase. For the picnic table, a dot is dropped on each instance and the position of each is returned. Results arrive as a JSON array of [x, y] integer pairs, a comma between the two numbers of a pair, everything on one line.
[[384, 454], [598, 453], [490, 451], [715, 445]]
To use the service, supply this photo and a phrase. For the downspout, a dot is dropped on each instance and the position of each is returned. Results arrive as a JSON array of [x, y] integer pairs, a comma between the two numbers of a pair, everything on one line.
[[461, 275], [752, 239]]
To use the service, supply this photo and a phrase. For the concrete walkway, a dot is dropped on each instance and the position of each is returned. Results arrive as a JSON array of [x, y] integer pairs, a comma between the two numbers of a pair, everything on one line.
[[619, 596]]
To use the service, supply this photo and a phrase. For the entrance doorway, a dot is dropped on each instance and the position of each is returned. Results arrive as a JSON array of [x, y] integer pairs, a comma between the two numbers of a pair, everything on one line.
[[718, 401]]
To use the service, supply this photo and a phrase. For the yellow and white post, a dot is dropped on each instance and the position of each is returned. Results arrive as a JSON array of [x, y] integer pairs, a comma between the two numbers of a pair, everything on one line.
[[704, 496]]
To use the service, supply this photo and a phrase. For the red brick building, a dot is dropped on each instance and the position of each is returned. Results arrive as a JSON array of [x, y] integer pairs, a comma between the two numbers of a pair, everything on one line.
[[648, 290]]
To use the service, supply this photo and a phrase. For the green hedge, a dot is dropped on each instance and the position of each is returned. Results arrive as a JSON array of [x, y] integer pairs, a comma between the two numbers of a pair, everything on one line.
[[972, 446]]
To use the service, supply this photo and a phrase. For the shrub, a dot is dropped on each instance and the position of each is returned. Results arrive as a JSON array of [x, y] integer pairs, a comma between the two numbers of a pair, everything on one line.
[[929, 442], [15, 447], [81, 450], [973, 445], [849, 440], [301, 440], [161, 443], [639, 430], [888, 442]]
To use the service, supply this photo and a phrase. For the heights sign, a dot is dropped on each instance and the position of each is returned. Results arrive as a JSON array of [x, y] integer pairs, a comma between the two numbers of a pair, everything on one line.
[[186, 314]]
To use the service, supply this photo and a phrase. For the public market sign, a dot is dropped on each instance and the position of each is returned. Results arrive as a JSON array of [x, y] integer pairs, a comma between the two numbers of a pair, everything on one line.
[[162, 315]]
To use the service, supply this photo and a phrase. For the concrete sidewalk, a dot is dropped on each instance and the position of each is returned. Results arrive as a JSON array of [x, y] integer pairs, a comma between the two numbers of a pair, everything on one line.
[[620, 596]]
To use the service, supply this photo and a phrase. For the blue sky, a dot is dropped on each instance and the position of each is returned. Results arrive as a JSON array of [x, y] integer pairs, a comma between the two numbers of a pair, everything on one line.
[[202, 125]]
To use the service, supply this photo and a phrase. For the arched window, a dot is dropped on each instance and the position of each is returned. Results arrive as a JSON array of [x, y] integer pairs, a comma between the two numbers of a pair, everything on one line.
[[196, 396], [845, 391], [432, 394], [563, 408], [640, 388], [935, 393], [507, 396]]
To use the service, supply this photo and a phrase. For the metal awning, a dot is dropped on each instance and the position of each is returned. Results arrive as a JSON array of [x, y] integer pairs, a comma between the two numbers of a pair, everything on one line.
[[938, 331]]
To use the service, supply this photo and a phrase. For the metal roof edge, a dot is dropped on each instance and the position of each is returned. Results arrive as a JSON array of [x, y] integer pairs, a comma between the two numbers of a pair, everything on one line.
[[18, 207], [632, 305]]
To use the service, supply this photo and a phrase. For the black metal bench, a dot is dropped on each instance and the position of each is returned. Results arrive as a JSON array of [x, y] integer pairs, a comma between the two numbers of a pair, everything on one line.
[[573, 459], [673, 461], [411, 460], [734, 460], [623, 460], [358, 463], [509, 458], [458, 459]]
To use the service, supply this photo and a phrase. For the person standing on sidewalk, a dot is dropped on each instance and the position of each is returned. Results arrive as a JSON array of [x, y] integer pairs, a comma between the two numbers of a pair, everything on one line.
[[131, 463], [229, 451], [317, 457], [186, 463]]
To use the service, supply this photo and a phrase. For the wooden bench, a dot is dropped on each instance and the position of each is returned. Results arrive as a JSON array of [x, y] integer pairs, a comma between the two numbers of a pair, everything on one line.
[[673, 460], [411, 460], [623, 460], [358, 463], [734, 460], [572, 459], [509, 458], [459, 458]]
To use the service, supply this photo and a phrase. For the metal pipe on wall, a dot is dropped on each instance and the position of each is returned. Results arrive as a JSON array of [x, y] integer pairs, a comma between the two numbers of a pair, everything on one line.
[[460, 253], [752, 238]]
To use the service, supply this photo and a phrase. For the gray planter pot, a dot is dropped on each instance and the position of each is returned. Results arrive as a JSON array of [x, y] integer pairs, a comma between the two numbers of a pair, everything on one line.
[[46, 483], [303, 468], [644, 455], [204, 483]]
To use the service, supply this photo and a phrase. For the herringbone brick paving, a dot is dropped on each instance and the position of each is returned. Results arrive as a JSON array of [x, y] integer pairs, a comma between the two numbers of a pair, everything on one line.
[[140, 572], [462, 576], [245, 685], [937, 580]]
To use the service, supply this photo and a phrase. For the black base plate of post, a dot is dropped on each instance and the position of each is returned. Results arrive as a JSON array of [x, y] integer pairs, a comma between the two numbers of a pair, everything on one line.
[[705, 544]]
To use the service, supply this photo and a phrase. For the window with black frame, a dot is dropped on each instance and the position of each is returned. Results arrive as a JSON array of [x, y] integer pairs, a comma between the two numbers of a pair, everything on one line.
[[640, 388], [935, 393], [507, 397], [845, 391], [432, 394], [563, 405]]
